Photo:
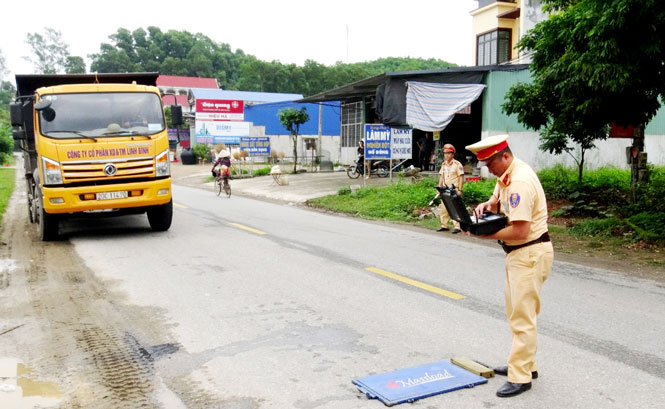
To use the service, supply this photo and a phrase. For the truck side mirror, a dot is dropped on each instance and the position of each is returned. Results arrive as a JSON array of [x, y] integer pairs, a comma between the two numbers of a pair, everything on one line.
[[176, 114], [18, 134], [16, 114]]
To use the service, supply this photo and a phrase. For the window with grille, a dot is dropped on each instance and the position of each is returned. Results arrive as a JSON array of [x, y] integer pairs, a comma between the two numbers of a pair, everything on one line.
[[352, 123], [493, 47]]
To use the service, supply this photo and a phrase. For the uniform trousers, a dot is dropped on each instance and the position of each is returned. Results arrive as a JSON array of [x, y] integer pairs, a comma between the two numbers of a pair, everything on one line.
[[445, 217], [527, 269]]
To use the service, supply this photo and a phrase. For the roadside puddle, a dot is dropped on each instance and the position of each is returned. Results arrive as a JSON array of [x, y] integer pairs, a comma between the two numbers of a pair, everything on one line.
[[19, 389]]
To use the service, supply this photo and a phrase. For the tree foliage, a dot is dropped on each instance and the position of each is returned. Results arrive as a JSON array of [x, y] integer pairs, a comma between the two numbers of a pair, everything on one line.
[[51, 54], [593, 62], [187, 54], [3, 65], [172, 53], [291, 119]]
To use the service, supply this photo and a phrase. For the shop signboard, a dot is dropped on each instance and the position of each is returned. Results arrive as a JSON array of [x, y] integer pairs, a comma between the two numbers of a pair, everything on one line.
[[377, 141], [220, 110], [259, 146], [226, 132], [402, 146]]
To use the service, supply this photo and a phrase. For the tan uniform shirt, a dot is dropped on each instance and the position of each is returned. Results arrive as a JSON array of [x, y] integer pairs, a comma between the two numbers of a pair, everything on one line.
[[521, 197], [453, 174]]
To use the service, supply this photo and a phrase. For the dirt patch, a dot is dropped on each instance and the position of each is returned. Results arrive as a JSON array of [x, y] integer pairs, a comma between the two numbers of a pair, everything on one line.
[[639, 259], [77, 331]]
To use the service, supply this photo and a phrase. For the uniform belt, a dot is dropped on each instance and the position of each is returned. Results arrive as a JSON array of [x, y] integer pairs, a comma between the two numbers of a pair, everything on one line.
[[542, 239]]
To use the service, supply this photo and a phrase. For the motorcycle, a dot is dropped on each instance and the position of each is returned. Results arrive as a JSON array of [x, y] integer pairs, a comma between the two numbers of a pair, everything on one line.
[[379, 168]]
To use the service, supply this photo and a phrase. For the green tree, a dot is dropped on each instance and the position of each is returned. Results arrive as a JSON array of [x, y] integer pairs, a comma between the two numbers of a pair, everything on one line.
[[593, 62], [74, 65], [291, 119], [171, 53], [3, 66], [51, 53]]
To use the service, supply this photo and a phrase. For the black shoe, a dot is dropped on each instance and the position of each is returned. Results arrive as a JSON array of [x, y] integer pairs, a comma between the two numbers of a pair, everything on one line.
[[512, 389], [442, 229], [503, 370], [455, 231]]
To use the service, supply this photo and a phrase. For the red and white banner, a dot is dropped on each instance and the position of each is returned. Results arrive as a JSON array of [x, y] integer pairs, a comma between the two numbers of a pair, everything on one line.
[[220, 110]]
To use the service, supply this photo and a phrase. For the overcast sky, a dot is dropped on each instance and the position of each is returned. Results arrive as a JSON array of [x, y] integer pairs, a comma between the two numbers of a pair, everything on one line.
[[290, 31]]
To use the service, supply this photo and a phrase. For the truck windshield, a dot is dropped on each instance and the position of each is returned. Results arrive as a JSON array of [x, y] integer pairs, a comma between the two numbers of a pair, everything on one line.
[[101, 115]]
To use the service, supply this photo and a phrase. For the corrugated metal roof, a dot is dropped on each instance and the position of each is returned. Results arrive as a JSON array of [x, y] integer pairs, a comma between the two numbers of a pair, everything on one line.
[[249, 97], [367, 86], [186, 82]]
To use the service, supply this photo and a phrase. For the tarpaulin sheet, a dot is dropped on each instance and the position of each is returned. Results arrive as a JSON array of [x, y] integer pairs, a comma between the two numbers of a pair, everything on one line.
[[391, 94], [411, 384], [431, 107]]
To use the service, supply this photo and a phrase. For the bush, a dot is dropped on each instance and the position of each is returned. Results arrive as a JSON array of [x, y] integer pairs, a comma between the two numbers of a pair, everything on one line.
[[344, 190], [478, 192], [202, 151], [648, 225], [262, 171], [6, 144], [556, 181], [650, 195], [607, 227]]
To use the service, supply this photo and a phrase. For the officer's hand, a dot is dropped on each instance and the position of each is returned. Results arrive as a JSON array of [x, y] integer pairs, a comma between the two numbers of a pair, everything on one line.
[[482, 208]]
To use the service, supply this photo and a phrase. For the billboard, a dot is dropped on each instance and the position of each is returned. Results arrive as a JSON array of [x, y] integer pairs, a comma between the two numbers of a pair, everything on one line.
[[228, 132], [220, 110], [256, 146]]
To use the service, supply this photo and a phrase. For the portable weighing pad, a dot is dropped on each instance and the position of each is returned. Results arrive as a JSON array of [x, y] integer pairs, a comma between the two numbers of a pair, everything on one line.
[[488, 224], [411, 384]]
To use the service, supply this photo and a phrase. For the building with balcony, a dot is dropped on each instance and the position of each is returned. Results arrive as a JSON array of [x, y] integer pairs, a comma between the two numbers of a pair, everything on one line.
[[498, 25]]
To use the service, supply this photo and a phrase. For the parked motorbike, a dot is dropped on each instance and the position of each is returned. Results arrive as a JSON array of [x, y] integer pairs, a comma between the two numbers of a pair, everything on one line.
[[379, 168]]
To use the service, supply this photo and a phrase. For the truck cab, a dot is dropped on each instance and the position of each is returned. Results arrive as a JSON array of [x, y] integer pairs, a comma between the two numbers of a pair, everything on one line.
[[94, 145]]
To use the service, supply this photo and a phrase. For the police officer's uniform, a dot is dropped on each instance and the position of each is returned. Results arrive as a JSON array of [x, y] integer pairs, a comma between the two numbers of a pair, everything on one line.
[[452, 174], [528, 262]]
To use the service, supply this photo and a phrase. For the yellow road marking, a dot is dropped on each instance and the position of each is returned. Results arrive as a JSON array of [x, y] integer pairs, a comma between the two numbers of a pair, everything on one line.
[[179, 205], [415, 283], [240, 226]]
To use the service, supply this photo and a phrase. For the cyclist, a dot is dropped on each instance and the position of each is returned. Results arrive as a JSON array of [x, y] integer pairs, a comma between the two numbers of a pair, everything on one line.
[[222, 166]]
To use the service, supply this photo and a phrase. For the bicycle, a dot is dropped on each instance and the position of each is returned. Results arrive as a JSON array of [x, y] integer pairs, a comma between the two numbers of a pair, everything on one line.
[[222, 184]]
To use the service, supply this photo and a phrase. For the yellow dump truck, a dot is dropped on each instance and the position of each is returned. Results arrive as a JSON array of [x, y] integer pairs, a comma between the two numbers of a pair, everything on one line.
[[93, 145]]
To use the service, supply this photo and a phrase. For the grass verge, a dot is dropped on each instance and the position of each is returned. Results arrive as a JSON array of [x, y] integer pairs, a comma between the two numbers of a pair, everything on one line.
[[6, 188]]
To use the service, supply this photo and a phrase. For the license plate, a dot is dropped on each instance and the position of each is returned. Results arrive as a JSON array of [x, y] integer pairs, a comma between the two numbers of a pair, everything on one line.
[[112, 195]]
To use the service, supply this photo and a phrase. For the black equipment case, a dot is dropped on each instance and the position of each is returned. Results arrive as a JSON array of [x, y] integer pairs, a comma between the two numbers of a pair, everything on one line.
[[489, 223]]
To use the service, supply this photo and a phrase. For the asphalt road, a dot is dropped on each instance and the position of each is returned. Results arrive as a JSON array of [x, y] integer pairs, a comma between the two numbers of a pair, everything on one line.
[[251, 304]]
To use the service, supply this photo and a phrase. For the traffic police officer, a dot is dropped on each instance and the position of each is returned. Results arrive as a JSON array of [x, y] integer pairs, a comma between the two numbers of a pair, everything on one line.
[[529, 254], [451, 173]]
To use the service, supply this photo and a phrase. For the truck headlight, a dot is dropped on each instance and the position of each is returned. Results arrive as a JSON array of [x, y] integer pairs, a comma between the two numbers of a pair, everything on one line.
[[52, 174], [162, 165]]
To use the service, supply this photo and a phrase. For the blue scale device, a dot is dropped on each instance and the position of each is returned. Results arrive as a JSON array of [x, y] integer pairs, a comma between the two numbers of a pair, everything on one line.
[[411, 384]]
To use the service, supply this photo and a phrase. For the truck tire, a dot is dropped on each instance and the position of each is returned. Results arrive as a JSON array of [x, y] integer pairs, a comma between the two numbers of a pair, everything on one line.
[[46, 223], [160, 216]]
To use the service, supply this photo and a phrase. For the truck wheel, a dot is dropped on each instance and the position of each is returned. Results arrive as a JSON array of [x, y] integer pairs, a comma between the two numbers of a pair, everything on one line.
[[160, 216], [47, 223], [32, 208]]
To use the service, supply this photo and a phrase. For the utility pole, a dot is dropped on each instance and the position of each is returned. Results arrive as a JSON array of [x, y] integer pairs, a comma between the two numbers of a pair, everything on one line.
[[319, 157], [638, 162]]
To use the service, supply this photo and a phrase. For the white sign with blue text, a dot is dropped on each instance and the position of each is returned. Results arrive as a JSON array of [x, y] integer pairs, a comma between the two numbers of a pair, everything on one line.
[[401, 147]]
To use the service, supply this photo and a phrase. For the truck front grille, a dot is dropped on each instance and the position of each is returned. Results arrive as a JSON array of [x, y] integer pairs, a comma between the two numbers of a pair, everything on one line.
[[130, 168]]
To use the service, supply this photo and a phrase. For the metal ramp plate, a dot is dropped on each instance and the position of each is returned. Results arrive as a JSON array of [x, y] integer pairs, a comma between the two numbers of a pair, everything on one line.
[[411, 384]]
